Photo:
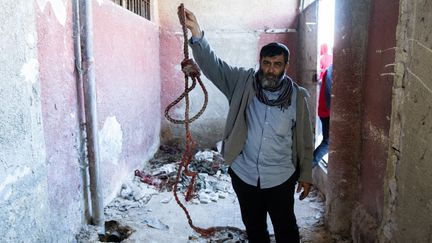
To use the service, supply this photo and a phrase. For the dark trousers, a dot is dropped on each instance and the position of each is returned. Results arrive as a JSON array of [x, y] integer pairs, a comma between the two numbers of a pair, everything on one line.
[[322, 149], [277, 201]]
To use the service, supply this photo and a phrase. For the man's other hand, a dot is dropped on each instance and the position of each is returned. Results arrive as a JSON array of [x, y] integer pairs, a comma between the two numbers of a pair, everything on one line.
[[306, 189]]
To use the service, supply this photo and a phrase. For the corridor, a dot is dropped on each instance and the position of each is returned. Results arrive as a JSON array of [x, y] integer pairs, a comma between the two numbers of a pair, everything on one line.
[[84, 88]]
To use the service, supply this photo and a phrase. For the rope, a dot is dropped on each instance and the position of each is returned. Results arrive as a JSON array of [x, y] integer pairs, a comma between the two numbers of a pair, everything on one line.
[[190, 69]]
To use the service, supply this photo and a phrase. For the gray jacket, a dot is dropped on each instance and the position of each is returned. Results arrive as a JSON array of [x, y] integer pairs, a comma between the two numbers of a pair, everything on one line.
[[237, 85]]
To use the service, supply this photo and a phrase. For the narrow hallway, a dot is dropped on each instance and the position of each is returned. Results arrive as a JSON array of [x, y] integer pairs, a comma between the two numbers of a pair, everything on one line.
[[84, 85]]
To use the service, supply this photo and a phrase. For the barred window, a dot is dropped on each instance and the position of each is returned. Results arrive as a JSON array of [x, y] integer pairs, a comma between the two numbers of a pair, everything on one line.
[[140, 7]]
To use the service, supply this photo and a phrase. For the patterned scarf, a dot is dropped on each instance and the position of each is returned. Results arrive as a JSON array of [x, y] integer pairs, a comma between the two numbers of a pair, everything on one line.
[[284, 99]]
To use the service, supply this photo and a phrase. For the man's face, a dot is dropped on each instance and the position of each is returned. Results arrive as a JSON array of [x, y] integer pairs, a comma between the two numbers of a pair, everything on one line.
[[272, 69]]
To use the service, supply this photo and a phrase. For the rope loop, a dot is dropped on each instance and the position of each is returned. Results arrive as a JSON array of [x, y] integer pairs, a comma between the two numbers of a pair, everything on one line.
[[191, 70]]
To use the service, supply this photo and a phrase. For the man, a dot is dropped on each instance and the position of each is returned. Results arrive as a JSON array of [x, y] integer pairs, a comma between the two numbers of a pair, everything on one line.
[[267, 138], [324, 115]]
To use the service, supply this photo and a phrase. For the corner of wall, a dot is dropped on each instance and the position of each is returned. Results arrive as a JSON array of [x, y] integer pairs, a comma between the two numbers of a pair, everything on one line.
[[387, 227]]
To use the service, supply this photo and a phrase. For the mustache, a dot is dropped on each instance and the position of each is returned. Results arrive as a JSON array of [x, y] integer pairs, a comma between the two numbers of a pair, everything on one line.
[[268, 76], [269, 80]]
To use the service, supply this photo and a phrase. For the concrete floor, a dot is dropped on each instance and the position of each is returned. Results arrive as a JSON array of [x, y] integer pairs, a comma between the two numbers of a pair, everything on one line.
[[156, 217]]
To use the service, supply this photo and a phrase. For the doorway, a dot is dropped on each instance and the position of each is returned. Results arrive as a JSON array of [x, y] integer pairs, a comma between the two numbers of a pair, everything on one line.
[[325, 42]]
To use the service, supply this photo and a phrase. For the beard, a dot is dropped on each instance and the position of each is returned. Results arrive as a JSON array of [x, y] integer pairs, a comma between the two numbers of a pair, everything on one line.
[[269, 80]]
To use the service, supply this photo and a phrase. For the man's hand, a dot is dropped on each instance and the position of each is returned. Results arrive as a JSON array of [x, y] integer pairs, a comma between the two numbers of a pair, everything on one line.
[[191, 22], [306, 188]]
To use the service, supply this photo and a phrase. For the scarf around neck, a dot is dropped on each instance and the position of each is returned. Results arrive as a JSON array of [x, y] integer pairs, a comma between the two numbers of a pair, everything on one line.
[[284, 99]]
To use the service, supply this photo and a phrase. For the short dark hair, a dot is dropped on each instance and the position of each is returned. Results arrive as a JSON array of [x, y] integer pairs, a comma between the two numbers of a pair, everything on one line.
[[274, 49]]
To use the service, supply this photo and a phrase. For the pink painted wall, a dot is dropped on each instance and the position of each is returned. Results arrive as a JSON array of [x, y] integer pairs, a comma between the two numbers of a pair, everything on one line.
[[126, 51], [172, 78], [59, 110]]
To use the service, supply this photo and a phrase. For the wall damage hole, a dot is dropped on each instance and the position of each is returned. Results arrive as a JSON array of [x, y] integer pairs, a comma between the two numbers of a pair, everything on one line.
[[114, 232]]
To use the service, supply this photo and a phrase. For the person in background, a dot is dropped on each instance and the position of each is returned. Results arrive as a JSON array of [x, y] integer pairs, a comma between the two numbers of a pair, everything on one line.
[[325, 60], [324, 115]]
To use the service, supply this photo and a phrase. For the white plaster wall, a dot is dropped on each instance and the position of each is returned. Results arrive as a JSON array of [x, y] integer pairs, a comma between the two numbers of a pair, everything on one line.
[[23, 183]]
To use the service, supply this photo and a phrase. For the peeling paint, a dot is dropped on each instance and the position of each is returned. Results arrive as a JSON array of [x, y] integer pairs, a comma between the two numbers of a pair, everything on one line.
[[111, 140], [30, 39], [14, 177], [30, 70], [58, 7]]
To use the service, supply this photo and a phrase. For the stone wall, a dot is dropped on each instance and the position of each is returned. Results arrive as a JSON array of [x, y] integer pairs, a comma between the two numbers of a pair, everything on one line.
[[408, 194]]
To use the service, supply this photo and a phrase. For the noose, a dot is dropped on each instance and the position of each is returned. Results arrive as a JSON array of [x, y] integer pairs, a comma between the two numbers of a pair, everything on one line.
[[190, 69]]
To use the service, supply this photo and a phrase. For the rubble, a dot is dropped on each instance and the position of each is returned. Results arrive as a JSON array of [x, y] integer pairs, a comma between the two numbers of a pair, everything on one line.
[[146, 203], [161, 173]]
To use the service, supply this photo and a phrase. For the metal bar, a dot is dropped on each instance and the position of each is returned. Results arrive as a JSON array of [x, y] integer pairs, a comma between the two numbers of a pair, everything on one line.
[[80, 110], [147, 9], [140, 7], [86, 15]]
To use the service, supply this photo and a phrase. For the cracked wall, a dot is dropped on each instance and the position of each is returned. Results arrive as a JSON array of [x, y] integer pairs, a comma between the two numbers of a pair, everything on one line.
[[408, 194]]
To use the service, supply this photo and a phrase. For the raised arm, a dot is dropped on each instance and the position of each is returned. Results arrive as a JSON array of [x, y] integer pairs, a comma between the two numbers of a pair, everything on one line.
[[224, 76]]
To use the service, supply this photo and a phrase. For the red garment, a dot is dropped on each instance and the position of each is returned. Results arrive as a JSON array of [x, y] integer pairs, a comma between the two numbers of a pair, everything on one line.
[[323, 111], [325, 59]]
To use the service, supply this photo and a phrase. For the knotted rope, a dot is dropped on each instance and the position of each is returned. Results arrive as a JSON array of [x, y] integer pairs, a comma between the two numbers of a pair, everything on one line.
[[190, 69]]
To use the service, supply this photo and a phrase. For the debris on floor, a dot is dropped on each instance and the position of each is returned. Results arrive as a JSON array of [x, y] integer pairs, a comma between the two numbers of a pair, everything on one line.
[[115, 232], [146, 204], [212, 182]]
